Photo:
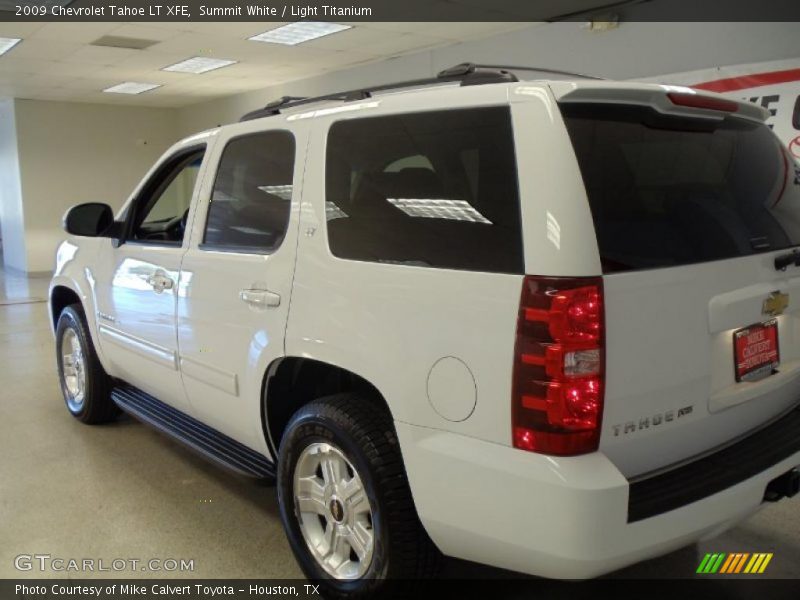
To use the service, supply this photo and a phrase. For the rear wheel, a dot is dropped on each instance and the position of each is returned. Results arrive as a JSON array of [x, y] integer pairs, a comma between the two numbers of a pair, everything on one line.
[[84, 383], [345, 501]]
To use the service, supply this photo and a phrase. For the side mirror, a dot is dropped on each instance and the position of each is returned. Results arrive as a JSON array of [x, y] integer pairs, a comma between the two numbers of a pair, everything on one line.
[[92, 219]]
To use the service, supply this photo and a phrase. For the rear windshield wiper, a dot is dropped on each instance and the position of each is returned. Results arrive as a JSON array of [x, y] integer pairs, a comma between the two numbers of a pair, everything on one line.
[[784, 260]]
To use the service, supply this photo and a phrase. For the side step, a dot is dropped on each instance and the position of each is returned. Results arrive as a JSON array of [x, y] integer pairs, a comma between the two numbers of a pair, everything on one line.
[[209, 442]]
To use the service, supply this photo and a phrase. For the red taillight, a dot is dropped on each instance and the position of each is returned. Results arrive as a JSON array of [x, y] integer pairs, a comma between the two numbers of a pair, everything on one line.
[[697, 101], [558, 366]]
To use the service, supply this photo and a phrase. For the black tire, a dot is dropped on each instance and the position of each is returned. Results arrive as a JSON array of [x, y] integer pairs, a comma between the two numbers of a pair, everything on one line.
[[96, 405], [363, 431]]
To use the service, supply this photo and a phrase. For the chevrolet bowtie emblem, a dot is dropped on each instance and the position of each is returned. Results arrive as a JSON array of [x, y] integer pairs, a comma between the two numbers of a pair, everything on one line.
[[775, 304]]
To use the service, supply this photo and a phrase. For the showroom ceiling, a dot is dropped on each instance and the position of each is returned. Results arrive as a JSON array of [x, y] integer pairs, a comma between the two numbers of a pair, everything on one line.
[[62, 61]]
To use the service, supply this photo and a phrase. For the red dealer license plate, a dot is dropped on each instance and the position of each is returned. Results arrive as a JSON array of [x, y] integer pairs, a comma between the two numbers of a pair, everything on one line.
[[756, 352]]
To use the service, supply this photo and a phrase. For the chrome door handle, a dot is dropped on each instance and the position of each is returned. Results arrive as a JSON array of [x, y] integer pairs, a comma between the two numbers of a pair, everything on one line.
[[160, 281], [260, 298]]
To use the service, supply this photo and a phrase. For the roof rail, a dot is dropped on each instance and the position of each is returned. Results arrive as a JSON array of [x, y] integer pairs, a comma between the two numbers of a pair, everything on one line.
[[272, 108], [542, 70], [466, 73]]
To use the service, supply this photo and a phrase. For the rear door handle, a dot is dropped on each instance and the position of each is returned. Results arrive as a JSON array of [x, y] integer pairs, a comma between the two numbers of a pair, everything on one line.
[[260, 298]]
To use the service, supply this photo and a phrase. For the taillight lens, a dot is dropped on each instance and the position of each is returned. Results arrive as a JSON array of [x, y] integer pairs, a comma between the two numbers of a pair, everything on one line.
[[559, 366]]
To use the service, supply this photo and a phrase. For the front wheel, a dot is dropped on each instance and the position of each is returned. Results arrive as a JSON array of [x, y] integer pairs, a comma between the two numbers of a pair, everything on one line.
[[84, 383], [345, 501]]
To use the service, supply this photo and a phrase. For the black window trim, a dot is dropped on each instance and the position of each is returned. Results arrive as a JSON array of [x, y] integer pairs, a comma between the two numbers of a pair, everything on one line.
[[161, 183], [204, 246]]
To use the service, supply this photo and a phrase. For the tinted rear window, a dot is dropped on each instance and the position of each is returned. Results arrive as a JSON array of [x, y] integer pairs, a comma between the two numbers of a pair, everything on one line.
[[668, 191], [435, 189]]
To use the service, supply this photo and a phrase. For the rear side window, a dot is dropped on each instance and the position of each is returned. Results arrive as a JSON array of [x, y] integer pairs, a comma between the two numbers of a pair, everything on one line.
[[252, 193], [667, 191], [435, 189]]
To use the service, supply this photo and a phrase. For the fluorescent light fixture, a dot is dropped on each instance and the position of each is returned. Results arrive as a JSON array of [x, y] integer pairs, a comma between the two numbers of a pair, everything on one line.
[[299, 32], [131, 87], [7, 44], [435, 208], [199, 64]]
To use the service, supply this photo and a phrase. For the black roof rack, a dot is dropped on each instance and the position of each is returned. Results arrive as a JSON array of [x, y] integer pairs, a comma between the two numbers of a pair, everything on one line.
[[466, 73], [542, 70]]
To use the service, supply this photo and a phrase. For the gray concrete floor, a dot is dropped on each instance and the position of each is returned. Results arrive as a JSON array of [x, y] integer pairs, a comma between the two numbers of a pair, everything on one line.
[[125, 491]]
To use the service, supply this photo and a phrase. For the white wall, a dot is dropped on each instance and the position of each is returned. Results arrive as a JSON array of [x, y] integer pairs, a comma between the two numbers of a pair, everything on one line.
[[71, 153], [11, 216], [635, 49]]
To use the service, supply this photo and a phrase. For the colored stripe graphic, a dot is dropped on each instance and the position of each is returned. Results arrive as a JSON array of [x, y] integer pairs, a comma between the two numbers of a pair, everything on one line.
[[755, 562], [734, 563], [727, 564], [767, 558], [715, 567], [730, 564], [703, 563], [740, 564], [711, 563]]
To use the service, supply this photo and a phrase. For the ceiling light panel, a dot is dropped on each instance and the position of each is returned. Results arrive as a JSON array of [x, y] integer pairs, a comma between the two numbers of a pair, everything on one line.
[[299, 32], [7, 44], [131, 87], [199, 64]]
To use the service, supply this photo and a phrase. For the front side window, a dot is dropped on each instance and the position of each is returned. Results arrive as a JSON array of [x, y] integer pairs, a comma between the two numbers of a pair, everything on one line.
[[435, 189], [163, 206], [252, 193]]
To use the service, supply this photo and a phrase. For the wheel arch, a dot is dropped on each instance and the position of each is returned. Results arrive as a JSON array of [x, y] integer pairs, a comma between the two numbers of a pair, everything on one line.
[[65, 291], [61, 296], [292, 382]]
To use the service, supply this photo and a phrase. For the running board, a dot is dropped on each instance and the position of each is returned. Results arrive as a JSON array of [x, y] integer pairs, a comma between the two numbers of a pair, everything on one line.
[[209, 442]]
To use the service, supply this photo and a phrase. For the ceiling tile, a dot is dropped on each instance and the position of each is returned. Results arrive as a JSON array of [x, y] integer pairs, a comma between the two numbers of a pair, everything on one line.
[[100, 55], [471, 31], [150, 60], [11, 64], [144, 32], [240, 31], [19, 30], [73, 69], [44, 49], [74, 32], [386, 45], [191, 44]]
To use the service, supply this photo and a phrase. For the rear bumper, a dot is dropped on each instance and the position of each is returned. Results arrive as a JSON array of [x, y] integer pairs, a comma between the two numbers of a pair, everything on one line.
[[563, 518]]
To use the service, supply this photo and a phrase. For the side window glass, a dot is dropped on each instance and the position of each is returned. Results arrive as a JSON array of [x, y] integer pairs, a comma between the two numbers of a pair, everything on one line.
[[252, 193], [430, 189], [164, 204]]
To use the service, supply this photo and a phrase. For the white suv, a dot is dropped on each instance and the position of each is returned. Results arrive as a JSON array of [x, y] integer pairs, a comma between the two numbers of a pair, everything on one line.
[[551, 326]]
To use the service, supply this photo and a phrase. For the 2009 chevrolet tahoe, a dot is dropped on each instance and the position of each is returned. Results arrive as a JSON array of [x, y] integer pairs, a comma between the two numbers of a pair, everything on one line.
[[547, 325]]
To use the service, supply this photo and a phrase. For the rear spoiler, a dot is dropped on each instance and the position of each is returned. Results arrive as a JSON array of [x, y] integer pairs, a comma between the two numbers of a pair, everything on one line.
[[667, 99]]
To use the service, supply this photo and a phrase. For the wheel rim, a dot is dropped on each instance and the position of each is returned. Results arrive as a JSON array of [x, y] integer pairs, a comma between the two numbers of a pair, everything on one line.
[[333, 511], [73, 369]]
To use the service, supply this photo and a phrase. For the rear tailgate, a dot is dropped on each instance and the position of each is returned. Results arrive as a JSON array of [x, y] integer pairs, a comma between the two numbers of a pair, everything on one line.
[[692, 202]]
